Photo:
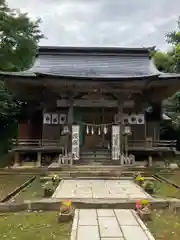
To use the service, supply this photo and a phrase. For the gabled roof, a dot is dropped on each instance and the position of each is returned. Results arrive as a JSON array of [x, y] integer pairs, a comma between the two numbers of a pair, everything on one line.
[[91, 62]]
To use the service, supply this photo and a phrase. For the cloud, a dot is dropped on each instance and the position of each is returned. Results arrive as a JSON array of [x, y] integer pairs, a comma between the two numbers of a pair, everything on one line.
[[133, 23]]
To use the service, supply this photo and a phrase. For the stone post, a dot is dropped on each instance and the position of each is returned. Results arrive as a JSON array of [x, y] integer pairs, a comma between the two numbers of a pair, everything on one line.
[[150, 161], [16, 159], [38, 163]]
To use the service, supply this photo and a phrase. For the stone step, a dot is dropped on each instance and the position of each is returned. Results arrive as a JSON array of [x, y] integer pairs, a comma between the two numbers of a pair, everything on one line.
[[95, 154], [95, 158]]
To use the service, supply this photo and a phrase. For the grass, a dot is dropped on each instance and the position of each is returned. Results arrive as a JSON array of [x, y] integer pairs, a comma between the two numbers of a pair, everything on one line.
[[9, 182], [164, 190], [28, 226], [175, 178], [165, 225], [32, 192]]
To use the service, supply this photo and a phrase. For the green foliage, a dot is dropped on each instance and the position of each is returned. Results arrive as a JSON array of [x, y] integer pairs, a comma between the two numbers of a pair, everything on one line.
[[173, 109], [170, 62], [164, 61], [48, 189], [174, 36], [19, 37], [149, 187], [9, 110]]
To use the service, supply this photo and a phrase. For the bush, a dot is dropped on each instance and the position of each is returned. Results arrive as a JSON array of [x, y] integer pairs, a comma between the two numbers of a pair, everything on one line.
[[149, 187], [48, 189]]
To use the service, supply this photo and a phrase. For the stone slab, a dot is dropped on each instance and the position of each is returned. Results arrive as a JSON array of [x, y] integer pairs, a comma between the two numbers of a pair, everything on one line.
[[133, 233], [125, 217], [108, 224], [88, 217], [80, 188], [105, 213], [112, 238], [88, 233], [109, 227]]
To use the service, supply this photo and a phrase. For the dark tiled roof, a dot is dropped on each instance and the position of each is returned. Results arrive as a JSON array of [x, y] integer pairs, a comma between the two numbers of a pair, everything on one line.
[[88, 62]]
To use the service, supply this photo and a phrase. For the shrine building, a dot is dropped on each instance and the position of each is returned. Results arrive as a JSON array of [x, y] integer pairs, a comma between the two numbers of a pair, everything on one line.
[[90, 103]]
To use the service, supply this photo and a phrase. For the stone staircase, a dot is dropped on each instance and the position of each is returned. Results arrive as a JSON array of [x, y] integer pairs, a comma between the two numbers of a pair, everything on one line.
[[98, 156]]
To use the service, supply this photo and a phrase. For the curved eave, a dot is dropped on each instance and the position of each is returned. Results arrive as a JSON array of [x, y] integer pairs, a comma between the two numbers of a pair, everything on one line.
[[110, 77], [169, 76], [98, 77], [24, 74]]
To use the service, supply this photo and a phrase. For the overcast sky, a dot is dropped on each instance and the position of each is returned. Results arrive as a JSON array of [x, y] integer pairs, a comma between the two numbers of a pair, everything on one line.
[[130, 23]]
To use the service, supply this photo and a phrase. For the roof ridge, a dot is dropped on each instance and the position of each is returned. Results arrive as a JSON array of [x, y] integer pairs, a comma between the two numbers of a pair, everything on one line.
[[56, 50]]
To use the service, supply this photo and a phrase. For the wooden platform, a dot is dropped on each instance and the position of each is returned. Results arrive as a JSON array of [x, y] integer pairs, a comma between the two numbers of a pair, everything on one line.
[[45, 145]]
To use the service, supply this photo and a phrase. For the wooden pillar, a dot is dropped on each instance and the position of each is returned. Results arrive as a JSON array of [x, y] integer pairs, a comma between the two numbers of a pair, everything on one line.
[[120, 115], [38, 163], [70, 123]]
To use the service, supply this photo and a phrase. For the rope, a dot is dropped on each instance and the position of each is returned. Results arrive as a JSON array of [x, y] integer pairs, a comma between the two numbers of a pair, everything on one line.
[[96, 125]]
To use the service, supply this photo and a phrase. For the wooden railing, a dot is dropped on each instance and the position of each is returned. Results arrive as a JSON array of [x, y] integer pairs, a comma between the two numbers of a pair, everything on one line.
[[151, 144], [56, 143], [35, 143]]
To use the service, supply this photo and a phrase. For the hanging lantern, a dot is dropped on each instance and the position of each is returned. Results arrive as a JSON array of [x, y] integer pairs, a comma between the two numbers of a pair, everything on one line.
[[105, 130], [87, 130], [92, 131], [99, 131]]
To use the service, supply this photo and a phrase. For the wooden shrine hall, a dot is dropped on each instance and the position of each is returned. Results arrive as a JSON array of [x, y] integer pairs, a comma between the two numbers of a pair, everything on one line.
[[88, 101]]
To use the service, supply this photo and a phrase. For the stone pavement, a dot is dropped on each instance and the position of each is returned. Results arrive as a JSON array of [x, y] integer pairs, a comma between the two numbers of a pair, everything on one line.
[[122, 189], [108, 224]]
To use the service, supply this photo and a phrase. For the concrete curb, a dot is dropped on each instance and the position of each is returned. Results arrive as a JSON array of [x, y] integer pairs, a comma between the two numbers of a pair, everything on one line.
[[53, 204], [44, 179]]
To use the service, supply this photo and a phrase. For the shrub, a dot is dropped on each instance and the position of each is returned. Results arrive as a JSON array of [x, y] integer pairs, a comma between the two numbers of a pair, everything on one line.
[[149, 187], [48, 189]]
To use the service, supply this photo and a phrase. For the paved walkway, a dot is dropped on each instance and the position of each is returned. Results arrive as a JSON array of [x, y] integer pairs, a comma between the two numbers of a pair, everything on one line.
[[108, 224], [122, 189]]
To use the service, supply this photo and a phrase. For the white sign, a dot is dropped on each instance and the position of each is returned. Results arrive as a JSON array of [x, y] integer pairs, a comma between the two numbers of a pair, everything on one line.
[[75, 142], [133, 118], [47, 118], [62, 118], [115, 142], [55, 118]]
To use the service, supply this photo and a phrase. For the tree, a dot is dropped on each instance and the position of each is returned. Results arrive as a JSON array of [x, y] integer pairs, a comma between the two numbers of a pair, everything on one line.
[[170, 61], [19, 37], [164, 61]]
